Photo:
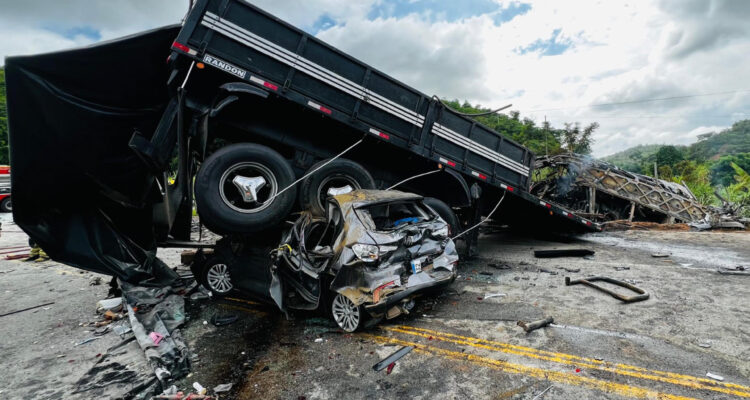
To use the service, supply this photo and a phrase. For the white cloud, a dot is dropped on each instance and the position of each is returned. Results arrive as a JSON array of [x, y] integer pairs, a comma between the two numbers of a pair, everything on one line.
[[618, 52]]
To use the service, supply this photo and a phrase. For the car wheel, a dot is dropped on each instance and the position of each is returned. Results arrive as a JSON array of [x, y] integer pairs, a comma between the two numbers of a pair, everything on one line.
[[236, 189], [348, 316], [338, 177], [216, 277], [6, 205], [446, 213]]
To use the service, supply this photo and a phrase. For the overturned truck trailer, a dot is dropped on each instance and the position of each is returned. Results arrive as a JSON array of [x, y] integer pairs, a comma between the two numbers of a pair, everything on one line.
[[245, 116], [604, 192]]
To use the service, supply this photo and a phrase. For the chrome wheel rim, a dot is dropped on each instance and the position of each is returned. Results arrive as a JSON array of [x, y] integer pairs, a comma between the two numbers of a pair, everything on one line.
[[257, 178], [345, 313], [338, 184], [218, 278]]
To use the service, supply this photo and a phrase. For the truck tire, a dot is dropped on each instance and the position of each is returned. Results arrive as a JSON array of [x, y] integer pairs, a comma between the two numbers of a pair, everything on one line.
[[6, 205], [261, 172], [446, 213], [340, 173]]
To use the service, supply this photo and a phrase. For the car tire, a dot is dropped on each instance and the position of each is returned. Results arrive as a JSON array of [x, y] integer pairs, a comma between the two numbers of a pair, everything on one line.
[[338, 173], [215, 275], [6, 205], [224, 208], [446, 213], [345, 314]]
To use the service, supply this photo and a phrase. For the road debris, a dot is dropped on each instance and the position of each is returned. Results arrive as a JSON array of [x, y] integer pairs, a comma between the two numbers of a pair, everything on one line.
[[491, 295], [642, 294], [84, 341], [571, 270], [95, 281], [622, 268], [224, 387], [705, 345], [391, 359], [660, 255], [221, 320], [539, 396], [739, 270], [114, 305], [546, 271], [199, 388], [563, 253], [714, 376], [531, 326], [499, 266], [27, 309]]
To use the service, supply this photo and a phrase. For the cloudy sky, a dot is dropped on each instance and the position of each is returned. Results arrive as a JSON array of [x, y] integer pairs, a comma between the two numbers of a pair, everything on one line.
[[679, 66]]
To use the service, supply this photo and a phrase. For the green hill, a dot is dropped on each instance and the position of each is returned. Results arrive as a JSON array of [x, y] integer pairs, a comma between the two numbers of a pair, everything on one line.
[[632, 158]]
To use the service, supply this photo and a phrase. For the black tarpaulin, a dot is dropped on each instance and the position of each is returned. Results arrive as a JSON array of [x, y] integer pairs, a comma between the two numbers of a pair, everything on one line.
[[78, 189]]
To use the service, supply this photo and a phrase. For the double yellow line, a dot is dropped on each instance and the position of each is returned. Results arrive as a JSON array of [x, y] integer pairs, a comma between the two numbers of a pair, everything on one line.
[[564, 359]]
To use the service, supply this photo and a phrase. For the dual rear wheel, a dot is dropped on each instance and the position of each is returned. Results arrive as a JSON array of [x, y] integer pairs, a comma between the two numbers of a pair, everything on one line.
[[246, 188]]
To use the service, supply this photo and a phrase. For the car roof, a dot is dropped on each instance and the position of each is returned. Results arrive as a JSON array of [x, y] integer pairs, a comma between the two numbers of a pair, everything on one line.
[[360, 198]]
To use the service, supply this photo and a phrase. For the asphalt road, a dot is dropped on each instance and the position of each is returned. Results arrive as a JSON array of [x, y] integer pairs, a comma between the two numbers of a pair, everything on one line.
[[465, 345]]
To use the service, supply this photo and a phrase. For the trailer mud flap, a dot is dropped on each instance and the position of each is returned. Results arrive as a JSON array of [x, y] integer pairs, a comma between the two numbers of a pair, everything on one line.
[[78, 189]]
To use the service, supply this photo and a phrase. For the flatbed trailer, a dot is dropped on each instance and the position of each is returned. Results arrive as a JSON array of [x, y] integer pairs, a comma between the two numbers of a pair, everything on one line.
[[260, 49], [140, 137]]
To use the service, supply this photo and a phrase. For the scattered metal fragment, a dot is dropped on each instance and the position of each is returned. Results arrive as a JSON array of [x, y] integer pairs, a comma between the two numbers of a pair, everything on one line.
[[391, 359], [563, 253], [539, 396], [491, 295], [714, 376], [486, 273], [740, 270], [27, 309], [221, 320], [531, 326], [660, 255], [642, 294], [705, 345], [546, 271], [498, 266], [572, 270], [84, 341], [622, 268]]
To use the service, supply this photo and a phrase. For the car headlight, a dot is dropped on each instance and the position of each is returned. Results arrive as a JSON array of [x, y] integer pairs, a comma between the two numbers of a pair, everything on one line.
[[366, 252], [441, 232]]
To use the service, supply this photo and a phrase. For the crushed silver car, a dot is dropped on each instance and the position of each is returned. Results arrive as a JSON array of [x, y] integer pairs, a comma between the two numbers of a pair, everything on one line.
[[371, 255]]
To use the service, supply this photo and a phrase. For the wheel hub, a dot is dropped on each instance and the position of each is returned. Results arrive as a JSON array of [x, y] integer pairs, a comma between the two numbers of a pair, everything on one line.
[[249, 187], [218, 278], [345, 313]]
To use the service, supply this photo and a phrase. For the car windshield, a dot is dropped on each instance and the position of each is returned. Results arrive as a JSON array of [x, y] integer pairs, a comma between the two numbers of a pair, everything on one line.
[[390, 216]]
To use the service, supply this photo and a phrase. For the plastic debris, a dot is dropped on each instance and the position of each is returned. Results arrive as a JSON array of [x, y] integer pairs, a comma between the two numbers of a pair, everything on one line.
[[114, 305], [705, 345], [319, 340], [224, 387], [714, 376], [199, 388], [198, 296], [491, 295], [156, 337], [660, 255]]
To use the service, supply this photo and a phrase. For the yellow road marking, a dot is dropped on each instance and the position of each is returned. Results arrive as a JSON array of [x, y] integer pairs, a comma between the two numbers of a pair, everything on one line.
[[569, 359], [540, 373], [242, 301]]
